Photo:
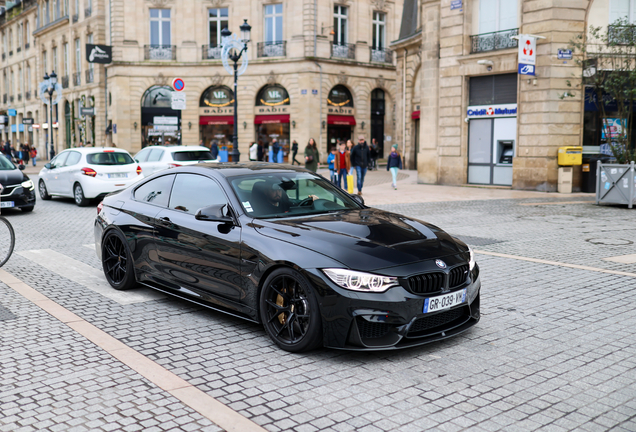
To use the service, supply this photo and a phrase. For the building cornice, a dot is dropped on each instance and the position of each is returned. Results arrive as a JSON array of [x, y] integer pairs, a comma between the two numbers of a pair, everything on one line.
[[50, 26], [401, 43]]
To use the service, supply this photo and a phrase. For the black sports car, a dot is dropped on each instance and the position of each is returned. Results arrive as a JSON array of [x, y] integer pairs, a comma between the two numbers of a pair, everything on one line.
[[18, 191], [285, 247]]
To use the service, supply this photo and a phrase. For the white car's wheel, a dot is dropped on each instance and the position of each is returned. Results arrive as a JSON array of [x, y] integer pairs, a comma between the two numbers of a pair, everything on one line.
[[78, 195]]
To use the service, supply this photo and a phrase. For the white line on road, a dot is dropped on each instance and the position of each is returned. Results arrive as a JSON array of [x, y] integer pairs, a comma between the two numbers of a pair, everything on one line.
[[87, 276]]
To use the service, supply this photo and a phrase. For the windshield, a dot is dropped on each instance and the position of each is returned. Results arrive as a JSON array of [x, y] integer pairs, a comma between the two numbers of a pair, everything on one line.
[[108, 158], [192, 155], [6, 164], [289, 194]]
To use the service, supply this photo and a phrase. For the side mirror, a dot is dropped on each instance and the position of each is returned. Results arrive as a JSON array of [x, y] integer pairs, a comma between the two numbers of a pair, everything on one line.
[[358, 199], [21, 167], [47, 166], [214, 213]]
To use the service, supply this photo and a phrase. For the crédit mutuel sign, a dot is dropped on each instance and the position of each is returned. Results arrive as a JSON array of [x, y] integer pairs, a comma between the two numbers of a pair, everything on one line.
[[490, 111]]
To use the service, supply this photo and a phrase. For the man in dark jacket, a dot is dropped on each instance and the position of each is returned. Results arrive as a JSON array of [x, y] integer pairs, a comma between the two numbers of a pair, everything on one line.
[[360, 157]]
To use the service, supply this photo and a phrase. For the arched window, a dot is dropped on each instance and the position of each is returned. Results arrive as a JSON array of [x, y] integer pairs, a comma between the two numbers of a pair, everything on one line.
[[340, 96], [272, 95], [217, 97], [157, 97]]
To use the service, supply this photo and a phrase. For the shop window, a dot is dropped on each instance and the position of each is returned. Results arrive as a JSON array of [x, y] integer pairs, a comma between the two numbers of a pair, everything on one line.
[[340, 96], [493, 89]]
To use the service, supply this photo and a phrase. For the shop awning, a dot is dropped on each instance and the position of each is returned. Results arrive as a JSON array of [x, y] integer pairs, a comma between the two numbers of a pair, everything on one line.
[[415, 115], [266, 119], [216, 120], [341, 120]]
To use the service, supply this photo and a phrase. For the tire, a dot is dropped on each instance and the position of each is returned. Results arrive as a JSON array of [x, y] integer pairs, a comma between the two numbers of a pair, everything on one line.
[[289, 311], [27, 209], [44, 193], [117, 261], [7, 240], [78, 195]]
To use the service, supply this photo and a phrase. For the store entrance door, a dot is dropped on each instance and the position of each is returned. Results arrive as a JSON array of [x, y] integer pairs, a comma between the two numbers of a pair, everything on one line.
[[377, 119], [491, 147], [337, 133]]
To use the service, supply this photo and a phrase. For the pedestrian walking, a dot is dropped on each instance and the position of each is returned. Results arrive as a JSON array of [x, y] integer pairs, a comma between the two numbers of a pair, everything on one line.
[[214, 149], [360, 160], [7, 149], [312, 157], [254, 151], [342, 164], [374, 150], [34, 153], [25, 154], [331, 164], [349, 148], [294, 152], [394, 163], [275, 150]]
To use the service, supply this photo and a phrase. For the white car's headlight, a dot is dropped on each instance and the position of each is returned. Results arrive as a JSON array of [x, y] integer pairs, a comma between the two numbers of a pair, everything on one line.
[[359, 281], [27, 185], [471, 261]]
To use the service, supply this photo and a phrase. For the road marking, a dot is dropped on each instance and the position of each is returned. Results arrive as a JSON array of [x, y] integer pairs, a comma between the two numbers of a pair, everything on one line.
[[88, 276], [191, 396], [555, 263], [557, 203], [623, 259]]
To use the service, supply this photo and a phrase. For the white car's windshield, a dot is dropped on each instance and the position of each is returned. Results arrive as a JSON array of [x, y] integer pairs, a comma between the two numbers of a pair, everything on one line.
[[289, 194]]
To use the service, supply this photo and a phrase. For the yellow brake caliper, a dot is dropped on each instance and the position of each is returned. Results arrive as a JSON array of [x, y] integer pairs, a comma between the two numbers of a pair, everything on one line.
[[280, 302]]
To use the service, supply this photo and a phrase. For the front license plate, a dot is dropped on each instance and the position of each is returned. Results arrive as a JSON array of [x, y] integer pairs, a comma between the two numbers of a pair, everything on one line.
[[445, 301], [118, 175], [6, 204]]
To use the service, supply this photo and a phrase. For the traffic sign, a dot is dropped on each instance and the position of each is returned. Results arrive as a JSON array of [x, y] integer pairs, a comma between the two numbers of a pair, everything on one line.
[[178, 101], [178, 84], [87, 111]]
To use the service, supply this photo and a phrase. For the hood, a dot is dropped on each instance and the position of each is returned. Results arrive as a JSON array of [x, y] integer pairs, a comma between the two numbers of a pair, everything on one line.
[[12, 177], [368, 239]]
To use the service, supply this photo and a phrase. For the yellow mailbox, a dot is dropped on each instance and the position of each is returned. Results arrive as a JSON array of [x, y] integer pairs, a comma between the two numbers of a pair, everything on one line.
[[569, 156]]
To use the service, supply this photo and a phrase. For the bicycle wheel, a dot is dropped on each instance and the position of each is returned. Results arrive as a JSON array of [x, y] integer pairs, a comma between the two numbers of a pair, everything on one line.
[[7, 240]]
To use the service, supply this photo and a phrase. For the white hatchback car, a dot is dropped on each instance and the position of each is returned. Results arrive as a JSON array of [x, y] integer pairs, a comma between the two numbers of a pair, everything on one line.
[[87, 173], [156, 158]]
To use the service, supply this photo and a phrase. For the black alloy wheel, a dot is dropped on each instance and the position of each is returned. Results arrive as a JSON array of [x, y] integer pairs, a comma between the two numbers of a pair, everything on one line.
[[117, 262], [78, 195], [44, 194], [289, 311]]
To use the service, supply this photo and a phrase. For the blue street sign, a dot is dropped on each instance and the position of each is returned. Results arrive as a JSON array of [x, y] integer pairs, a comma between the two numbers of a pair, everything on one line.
[[314, 92], [564, 54], [303, 91], [12, 112], [456, 4], [525, 69]]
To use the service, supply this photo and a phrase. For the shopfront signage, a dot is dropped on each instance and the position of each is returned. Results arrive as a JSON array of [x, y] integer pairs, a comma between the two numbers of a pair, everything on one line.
[[87, 111], [102, 54], [27, 121], [166, 127], [12, 113], [489, 111], [273, 96], [165, 120], [527, 55], [271, 110], [341, 111], [221, 111]]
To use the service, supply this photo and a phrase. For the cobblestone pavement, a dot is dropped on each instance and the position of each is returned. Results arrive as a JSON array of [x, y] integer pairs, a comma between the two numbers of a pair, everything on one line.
[[554, 349]]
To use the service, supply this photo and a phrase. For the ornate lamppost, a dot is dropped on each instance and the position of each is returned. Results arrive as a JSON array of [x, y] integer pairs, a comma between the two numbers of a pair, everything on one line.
[[233, 49], [48, 87]]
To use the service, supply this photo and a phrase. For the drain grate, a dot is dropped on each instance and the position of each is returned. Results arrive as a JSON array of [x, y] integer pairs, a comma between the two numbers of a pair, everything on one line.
[[478, 241], [6, 314]]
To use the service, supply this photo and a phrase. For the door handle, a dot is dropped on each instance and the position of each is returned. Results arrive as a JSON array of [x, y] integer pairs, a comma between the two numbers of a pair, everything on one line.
[[165, 221]]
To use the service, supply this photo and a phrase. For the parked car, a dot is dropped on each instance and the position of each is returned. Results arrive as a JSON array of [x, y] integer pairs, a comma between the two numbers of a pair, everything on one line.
[[157, 158], [87, 173], [18, 189], [284, 247]]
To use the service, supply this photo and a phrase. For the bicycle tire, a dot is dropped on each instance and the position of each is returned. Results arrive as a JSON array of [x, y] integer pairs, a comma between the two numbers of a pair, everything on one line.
[[7, 240]]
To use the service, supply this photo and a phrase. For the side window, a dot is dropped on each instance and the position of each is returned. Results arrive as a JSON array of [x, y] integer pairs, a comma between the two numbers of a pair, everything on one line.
[[155, 156], [59, 160], [192, 192], [73, 158], [156, 191], [142, 155]]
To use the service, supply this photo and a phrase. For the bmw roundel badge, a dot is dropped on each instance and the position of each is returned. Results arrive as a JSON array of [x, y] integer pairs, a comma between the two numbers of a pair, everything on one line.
[[441, 264]]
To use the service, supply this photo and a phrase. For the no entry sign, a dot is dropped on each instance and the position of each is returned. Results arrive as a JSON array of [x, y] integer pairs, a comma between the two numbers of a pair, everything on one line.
[[178, 84]]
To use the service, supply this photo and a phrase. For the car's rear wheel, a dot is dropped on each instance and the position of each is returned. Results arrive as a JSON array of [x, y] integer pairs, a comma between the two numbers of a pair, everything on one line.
[[117, 262], [44, 194], [78, 195], [289, 311]]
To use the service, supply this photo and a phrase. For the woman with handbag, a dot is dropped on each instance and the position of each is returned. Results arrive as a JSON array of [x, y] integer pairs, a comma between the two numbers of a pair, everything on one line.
[[312, 157]]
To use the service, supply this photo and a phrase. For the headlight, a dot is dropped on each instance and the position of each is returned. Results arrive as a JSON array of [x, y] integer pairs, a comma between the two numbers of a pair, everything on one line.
[[358, 281], [27, 185], [471, 261]]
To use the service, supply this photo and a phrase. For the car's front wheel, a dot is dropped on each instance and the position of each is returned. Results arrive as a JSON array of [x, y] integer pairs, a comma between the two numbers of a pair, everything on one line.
[[44, 194], [78, 195], [289, 311], [117, 262]]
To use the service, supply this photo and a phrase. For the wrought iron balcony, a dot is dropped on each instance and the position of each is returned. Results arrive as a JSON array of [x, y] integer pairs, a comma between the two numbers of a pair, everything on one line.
[[210, 52], [494, 41], [271, 49], [621, 35], [382, 55], [160, 52], [65, 82], [87, 12], [28, 95], [90, 75], [75, 18], [344, 51], [77, 79]]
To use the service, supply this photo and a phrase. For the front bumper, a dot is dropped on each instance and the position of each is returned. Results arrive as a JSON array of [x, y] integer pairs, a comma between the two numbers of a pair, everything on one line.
[[393, 319], [19, 196]]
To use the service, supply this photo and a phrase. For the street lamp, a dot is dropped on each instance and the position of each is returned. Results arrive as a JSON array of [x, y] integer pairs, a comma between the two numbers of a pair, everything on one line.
[[233, 49], [51, 84]]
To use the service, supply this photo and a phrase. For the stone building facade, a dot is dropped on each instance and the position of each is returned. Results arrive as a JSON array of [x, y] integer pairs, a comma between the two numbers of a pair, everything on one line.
[[454, 55], [317, 68]]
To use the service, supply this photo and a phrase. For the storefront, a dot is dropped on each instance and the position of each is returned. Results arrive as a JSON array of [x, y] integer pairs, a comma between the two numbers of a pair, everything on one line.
[[340, 115], [216, 116], [271, 117], [160, 124]]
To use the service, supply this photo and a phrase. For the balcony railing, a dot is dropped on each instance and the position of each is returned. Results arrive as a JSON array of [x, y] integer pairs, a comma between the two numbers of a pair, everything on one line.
[[65, 82], [77, 79], [271, 49], [90, 75], [210, 52], [27, 96], [494, 41], [382, 55], [160, 52], [621, 35], [75, 18], [344, 51], [87, 12]]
